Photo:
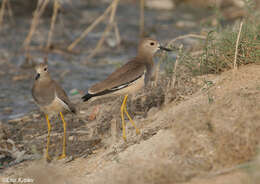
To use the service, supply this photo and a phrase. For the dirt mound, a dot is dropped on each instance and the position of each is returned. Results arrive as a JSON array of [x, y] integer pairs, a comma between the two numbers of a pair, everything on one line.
[[217, 129]]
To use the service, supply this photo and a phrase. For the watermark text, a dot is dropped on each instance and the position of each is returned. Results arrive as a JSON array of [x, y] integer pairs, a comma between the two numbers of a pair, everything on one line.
[[17, 180]]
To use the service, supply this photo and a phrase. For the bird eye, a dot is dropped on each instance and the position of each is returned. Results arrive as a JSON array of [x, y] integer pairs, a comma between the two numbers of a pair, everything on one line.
[[152, 43], [45, 69]]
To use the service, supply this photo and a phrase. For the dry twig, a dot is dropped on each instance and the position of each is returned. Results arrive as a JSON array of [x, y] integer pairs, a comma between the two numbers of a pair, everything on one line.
[[238, 38], [91, 27], [117, 34], [2, 12], [6, 5], [107, 30], [171, 83], [10, 12], [175, 67], [186, 36], [36, 15], [56, 7]]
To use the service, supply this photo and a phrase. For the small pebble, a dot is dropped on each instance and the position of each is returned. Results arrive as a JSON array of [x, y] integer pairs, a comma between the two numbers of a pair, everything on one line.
[[111, 42], [8, 110], [82, 112], [36, 115], [71, 138], [160, 5]]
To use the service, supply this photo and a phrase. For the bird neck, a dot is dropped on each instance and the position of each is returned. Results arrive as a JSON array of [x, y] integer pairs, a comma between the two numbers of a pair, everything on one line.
[[44, 78], [147, 59]]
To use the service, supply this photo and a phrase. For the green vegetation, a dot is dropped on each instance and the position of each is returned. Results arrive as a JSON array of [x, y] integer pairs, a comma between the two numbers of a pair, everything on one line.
[[217, 52]]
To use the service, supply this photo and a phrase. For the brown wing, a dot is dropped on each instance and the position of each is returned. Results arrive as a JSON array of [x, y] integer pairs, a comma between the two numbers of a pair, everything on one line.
[[61, 94], [122, 76]]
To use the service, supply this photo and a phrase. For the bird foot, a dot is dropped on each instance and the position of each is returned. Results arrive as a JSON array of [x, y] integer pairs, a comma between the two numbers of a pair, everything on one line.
[[62, 156], [48, 158], [124, 137]]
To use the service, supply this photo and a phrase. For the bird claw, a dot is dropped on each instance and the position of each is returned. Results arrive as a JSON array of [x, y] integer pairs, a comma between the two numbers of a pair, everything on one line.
[[62, 156], [124, 137], [48, 158]]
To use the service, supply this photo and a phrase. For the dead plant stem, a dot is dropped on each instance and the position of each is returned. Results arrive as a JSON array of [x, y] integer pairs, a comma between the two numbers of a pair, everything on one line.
[[107, 30], [56, 7], [237, 43], [2, 12], [10, 12], [36, 15], [91, 27], [187, 36]]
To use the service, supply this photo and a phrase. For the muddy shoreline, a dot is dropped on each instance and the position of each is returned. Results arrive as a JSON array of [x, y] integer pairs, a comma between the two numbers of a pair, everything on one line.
[[74, 71]]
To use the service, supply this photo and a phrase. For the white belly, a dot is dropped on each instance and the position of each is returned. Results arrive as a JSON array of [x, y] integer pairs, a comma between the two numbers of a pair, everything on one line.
[[133, 87], [55, 107]]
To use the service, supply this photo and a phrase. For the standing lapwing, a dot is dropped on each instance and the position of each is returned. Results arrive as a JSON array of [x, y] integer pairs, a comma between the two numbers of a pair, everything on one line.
[[129, 78], [52, 100]]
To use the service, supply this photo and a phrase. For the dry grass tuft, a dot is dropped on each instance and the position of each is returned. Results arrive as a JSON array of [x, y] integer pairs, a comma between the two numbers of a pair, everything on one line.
[[224, 47]]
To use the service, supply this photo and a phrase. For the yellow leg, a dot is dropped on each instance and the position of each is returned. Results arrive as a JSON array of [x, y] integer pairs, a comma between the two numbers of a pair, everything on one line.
[[48, 137], [64, 138], [122, 117], [131, 120]]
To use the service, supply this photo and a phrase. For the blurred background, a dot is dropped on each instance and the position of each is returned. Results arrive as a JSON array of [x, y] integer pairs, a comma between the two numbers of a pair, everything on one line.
[[85, 40], [199, 118]]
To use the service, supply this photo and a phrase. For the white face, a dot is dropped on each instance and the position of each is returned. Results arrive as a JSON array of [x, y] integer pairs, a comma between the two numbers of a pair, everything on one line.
[[41, 70], [151, 46]]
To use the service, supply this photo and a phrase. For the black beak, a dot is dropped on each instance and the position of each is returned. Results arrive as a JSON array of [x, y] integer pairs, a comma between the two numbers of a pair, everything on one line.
[[37, 76], [163, 48]]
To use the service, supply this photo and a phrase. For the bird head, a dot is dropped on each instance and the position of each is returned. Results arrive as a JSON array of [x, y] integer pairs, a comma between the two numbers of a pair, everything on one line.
[[150, 46], [41, 70]]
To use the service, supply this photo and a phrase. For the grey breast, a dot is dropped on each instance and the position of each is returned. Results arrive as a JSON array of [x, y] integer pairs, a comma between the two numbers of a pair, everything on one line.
[[43, 92]]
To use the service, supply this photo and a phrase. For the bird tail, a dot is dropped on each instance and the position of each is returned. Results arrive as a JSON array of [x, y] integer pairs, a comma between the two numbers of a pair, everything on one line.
[[87, 96], [72, 108]]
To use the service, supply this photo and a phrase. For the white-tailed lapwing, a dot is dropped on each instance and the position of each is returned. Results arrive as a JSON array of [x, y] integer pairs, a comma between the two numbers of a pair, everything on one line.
[[129, 78], [52, 100]]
